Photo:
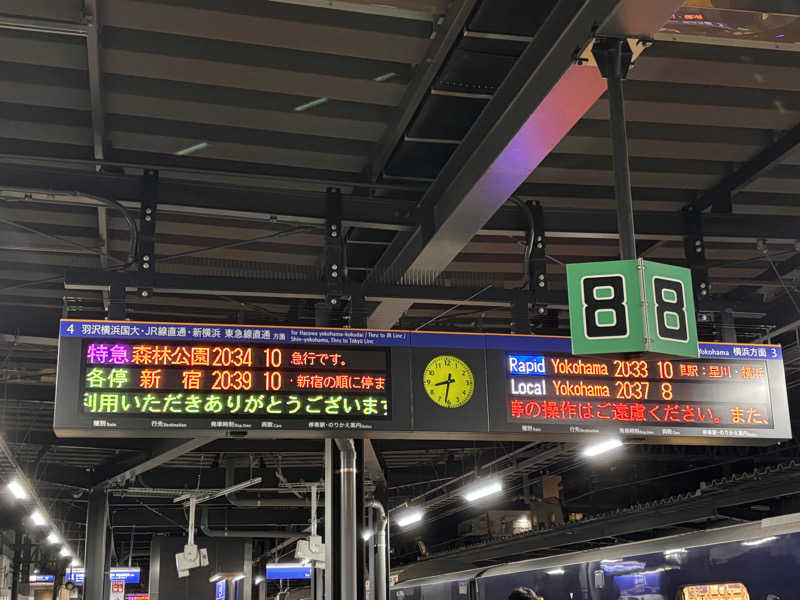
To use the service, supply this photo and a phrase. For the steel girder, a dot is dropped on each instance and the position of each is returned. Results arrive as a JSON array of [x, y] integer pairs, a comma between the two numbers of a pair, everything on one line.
[[97, 280], [541, 99]]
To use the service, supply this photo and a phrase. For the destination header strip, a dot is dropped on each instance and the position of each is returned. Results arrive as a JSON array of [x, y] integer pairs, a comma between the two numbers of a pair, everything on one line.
[[364, 337]]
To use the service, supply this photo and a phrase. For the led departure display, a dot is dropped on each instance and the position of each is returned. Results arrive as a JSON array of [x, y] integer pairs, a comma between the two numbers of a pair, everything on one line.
[[128, 379], [690, 393], [233, 379]]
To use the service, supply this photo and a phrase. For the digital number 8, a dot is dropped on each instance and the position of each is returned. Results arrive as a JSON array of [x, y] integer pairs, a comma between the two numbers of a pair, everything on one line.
[[605, 312], [670, 301]]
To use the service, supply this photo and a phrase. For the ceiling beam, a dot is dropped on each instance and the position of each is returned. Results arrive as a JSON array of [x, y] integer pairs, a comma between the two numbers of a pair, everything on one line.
[[663, 226], [541, 99], [720, 197], [166, 283], [161, 452], [251, 203], [92, 16], [445, 38], [393, 214]]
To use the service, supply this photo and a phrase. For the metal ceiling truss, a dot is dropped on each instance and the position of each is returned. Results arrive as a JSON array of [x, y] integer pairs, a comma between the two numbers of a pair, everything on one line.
[[497, 155], [445, 36], [486, 296], [720, 197]]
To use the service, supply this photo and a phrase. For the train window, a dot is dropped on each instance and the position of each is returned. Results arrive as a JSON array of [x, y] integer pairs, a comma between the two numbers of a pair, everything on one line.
[[715, 591]]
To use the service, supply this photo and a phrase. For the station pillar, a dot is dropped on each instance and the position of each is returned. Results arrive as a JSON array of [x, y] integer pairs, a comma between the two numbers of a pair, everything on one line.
[[16, 565], [95, 555], [343, 569]]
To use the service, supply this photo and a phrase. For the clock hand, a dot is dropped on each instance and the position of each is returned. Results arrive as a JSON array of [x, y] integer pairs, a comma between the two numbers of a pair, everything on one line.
[[447, 389], [447, 381]]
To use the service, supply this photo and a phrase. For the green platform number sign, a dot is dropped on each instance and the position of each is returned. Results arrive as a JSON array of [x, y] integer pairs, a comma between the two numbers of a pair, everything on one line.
[[631, 306]]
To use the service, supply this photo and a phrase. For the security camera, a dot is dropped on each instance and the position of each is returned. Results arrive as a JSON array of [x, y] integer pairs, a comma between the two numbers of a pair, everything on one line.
[[192, 557]]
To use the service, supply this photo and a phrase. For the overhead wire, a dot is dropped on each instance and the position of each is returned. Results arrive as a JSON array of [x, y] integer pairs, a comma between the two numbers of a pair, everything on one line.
[[50, 236], [236, 244], [782, 282], [455, 306]]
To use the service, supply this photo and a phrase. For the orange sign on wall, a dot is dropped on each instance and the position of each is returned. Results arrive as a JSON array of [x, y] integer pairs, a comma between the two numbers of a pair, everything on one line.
[[716, 591]]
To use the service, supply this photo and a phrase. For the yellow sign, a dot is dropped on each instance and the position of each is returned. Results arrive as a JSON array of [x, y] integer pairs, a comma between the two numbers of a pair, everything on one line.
[[716, 591], [449, 381]]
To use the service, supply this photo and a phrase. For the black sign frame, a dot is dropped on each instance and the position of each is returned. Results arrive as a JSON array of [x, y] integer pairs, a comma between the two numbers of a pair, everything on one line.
[[413, 413]]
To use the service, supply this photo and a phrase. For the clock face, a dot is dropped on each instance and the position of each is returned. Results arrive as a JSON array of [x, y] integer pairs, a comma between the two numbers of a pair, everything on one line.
[[448, 381]]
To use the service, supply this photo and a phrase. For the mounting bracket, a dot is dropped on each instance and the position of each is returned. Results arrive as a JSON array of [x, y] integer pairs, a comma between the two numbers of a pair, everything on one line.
[[146, 256]]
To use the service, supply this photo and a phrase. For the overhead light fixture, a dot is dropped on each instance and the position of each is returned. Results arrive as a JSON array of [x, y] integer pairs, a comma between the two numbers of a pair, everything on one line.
[[602, 447], [17, 490], [409, 517], [38, 518], [214, 578], [192, 149], [482, 490], [75, 563], [366, 535], [53, 538], [385, 77], [65, 552], [312, 104], [239, 577], [765, 540], [555, 572], [258, 580]]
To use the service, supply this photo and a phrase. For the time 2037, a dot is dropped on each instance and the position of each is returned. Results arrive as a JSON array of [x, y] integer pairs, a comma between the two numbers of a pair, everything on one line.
[[638, 369], [640, 390]]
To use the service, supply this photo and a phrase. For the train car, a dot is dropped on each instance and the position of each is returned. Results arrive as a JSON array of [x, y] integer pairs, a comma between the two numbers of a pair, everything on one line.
[[753, 561]]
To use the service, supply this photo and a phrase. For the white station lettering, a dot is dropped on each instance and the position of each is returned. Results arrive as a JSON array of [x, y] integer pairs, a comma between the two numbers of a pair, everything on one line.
[[528, 388]]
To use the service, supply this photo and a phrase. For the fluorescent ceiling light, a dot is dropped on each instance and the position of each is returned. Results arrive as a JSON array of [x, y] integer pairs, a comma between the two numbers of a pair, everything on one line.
[[38, 518], [366, 535], [17, 490], [214, 578], [385, 77], [482, 490], [65, 552], [192, 149], [53, 538], [602, 447], [765, 540], [409, 517], [258, 580], [555, 572], [239, 577], [75, 563], [311, 104]]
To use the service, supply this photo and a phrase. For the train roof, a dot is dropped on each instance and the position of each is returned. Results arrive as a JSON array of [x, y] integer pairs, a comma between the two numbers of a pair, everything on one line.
[[755, 530]]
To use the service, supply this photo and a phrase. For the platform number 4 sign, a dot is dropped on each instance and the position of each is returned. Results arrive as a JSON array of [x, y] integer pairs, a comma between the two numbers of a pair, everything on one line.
[[631, 306]]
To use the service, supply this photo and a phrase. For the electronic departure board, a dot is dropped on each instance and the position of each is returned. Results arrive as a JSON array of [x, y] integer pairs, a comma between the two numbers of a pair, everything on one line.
[[226, 380], [180, 380], [712, 395]]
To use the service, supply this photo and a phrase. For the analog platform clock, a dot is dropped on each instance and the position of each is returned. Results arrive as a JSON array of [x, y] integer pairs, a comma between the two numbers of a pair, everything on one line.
[[448, 381]]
